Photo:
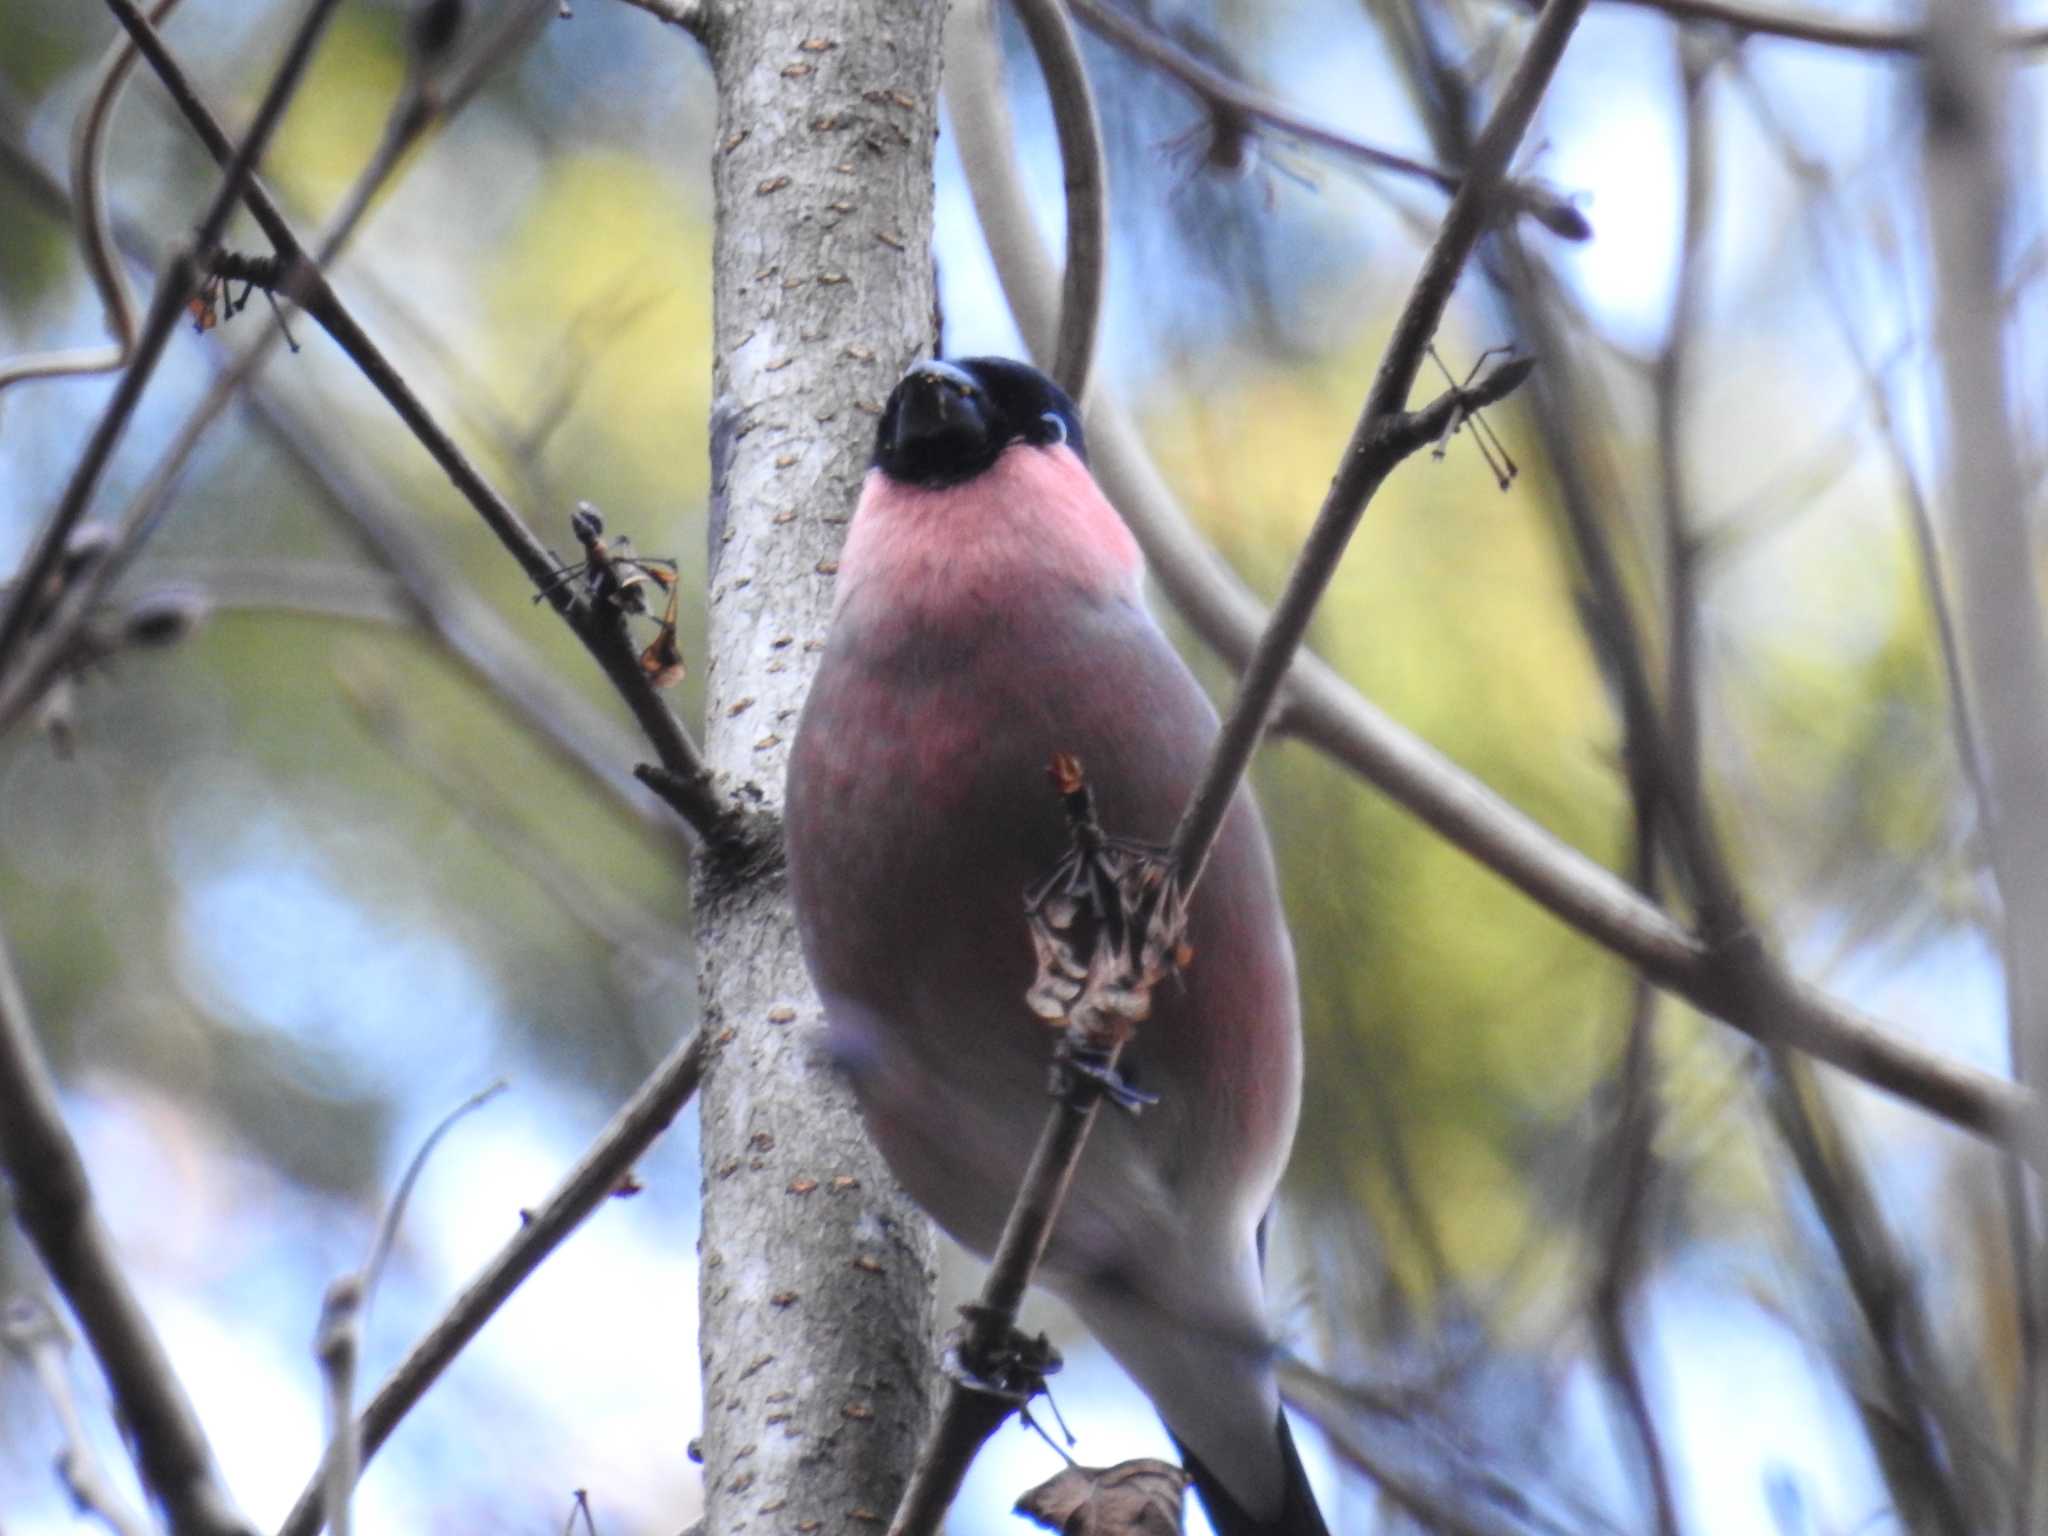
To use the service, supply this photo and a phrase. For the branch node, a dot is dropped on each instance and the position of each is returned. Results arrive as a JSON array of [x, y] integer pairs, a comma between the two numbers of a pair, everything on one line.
[[740, 845], [1011, 1367]]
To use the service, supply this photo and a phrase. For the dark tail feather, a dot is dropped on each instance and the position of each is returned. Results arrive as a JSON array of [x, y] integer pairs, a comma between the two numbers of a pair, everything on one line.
[[1298, 1515]]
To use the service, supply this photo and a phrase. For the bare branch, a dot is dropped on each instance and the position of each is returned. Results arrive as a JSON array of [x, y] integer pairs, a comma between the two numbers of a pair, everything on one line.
[[311, 589], [1375, 446], [54, 1204], [31, 1328], [595, 1177], [979, 1395], [95, 245], [1232, 102], [53, 1196], [1087, 186], [175, 287], [717, 822], [1630, 1162], [1385, 435], [486, 649], [344, 1312], [1629, 1168], [435, 89], [480, 643], [1325, 711], [338, 1346], [1666, 736], [1825, 31], [473, 635], [1446, 1483]]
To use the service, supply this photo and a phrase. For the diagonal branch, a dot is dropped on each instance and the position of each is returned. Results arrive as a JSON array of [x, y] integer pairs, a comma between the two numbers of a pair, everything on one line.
[[1323, 710], [176, 285], [425, 592], [1375, 446], [594, 1178], [54, 1204], [685, 783], [1386, 434], [1229, 102], [1666, 736], [1747, 20]]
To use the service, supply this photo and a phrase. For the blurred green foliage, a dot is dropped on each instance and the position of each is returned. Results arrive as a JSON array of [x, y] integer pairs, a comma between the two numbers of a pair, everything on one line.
[[542, 272]]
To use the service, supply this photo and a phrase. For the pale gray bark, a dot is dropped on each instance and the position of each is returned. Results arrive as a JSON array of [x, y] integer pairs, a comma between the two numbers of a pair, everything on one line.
[[815, 1285]]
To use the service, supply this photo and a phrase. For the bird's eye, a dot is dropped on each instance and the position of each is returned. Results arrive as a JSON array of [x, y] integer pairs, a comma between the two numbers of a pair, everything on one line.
[[1056, 426]]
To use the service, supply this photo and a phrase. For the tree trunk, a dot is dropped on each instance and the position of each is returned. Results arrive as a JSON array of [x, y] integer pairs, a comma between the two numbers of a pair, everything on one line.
[[816, 1273]]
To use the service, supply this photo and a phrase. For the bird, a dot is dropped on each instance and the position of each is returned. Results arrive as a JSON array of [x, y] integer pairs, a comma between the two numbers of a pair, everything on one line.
[[989, 615]]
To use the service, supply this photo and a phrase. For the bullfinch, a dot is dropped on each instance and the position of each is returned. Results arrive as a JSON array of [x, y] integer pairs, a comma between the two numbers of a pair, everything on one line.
[[989, 615]]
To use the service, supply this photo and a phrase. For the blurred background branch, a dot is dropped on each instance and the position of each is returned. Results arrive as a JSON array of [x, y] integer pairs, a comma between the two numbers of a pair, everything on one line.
[[53, 1201], [1695, 722], [31, 1330]]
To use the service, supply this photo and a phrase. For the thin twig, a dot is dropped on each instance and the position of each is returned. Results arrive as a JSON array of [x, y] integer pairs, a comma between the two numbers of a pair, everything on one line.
[[310, 289], [468, 630], [176, 285], [1386, 434], [1825, 31], [310, 589], [1324, 711], [417, 110], [1631, 1163], [595, 1177], [1823, 193], [31, 1328], [433, 92], [1629, 1167], [53, 1201], [52, 1193], [95, 245], [2027, 1279], [1233, 102], [685, 783], [1439, 1476], [344, 1314], [337, 1345], [1087, 186], [1377, 443], [1923, 1411], [969, 1413], [52, 652], [1748, 975], [427, 591]]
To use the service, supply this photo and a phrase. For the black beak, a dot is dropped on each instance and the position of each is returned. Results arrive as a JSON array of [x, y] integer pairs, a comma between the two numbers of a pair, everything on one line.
[[937, 426]]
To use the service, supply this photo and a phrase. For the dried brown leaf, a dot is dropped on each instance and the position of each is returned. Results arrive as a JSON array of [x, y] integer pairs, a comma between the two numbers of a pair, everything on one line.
[[1133, 1498], [1107, 926], [662, 661]]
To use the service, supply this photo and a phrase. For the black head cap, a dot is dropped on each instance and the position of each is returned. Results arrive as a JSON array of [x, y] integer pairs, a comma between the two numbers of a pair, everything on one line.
[[947, 421]]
